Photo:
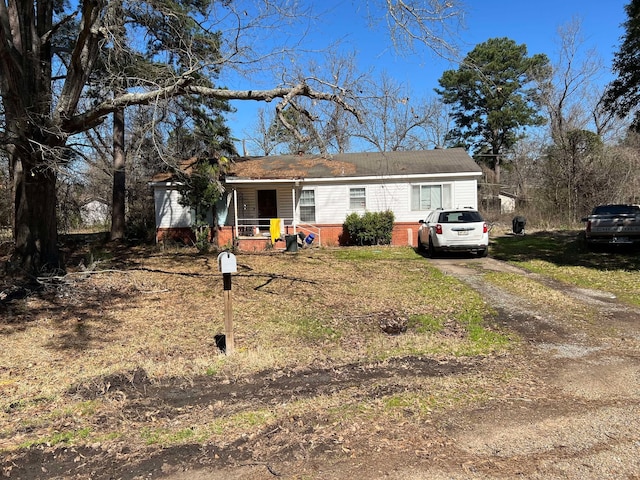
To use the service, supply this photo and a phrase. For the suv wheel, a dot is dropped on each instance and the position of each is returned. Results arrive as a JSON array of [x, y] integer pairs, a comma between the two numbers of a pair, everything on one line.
[[432, 250]]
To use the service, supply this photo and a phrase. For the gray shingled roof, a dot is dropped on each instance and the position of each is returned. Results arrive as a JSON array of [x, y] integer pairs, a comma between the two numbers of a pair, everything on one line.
[[439, 161]]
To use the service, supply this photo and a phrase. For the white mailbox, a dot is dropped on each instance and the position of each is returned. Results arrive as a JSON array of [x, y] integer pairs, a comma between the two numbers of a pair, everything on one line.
[[227, 262]]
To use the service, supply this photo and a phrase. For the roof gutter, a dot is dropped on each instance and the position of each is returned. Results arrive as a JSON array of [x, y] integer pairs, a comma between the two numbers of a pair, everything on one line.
[[232, 180]]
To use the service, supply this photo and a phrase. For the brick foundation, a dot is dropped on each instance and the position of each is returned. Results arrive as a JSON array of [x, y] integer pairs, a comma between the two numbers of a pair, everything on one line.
[[330, 236]]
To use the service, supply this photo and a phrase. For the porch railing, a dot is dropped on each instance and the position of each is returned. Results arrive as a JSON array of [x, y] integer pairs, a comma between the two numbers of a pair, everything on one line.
[[254, 227], [307, 229], [258, 227]]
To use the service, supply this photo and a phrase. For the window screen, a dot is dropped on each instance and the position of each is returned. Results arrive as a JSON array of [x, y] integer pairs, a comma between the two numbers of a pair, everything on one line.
[[308, 206], [357, 198], [430, 197]]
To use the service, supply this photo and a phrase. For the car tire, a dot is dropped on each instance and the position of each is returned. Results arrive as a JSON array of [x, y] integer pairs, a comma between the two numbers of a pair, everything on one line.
[[421, 248], [432, 249], [483, 253]]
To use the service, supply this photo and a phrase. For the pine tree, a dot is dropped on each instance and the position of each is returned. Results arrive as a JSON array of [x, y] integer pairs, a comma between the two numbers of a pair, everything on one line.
[[493, 98]]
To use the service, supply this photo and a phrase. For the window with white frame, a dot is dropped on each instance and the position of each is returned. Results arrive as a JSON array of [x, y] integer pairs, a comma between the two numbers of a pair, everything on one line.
[[308, 206], [430, 197], [357, 198]]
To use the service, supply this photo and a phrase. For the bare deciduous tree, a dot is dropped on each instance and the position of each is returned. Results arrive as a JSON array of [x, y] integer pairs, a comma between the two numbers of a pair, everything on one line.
[[395, 120], [260, 140], [571, 96], [424, 22], [389, 115], [581, 169]]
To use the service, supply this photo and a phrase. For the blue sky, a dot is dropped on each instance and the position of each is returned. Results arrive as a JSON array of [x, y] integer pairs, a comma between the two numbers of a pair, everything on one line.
[[532, 23]]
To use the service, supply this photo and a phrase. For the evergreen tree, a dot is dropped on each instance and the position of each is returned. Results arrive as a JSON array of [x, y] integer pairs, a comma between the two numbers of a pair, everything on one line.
[[623, 94], [493, 98], [200, 186]]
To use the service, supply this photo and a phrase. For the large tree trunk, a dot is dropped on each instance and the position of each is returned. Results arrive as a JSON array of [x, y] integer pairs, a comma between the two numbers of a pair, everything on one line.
[[497, 161], [119, 184], [115, 17], [497, 170], [35, 227]]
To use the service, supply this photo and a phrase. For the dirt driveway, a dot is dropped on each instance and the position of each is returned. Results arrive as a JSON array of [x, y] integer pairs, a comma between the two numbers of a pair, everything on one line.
[[583, 418], [573, 411]]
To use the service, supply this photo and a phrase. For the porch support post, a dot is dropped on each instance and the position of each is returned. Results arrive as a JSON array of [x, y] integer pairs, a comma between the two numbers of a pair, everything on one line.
[[235, 211], [294, 221]]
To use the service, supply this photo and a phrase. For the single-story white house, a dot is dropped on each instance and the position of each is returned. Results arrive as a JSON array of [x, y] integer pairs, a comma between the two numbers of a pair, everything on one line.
[[314, 194]]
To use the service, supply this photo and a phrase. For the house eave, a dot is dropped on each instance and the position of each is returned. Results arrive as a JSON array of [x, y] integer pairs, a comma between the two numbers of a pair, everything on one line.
[[424, 176]]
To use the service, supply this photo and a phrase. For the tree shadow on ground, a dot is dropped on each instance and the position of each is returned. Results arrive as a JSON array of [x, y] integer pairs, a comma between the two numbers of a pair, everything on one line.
[[78, 309], [564, 248], [78, 314]]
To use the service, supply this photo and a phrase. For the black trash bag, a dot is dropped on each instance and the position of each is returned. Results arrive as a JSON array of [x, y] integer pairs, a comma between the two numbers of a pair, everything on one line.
[[301, 237], [518, 225]]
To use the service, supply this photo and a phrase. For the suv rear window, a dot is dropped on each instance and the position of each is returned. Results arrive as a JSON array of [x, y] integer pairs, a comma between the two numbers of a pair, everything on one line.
[[461, 216]]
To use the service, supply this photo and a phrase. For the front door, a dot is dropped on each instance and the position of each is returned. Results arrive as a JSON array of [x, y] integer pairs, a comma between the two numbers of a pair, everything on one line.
[[267, 206]]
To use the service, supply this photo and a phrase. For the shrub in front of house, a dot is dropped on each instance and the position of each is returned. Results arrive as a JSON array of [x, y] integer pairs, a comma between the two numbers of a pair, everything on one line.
[[201, 232], [371, 228]]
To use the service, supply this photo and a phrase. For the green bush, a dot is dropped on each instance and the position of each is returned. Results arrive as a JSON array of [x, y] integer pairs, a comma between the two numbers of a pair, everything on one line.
[[201, 232], [372, 228]]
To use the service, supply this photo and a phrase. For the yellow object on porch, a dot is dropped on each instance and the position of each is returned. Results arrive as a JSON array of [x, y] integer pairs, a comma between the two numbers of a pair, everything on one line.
[[275, 229]]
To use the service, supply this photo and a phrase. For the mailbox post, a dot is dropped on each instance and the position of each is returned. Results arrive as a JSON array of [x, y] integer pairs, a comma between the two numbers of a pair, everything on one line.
[[227, 265]]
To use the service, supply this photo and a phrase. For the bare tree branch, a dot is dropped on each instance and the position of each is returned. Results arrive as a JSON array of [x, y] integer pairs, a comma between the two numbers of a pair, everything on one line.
[[431, 23], [90, 119]]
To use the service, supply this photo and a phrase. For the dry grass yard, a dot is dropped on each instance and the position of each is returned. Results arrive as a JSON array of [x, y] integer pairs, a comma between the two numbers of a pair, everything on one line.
[[370, 360]]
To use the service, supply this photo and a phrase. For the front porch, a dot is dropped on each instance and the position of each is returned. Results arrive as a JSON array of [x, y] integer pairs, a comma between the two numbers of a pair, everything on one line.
[[253, 235]]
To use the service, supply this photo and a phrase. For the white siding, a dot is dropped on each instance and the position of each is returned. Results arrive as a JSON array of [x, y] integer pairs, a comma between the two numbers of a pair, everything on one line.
[[285, 203], [465, 194], [389, 196], [169, 212], [332, 200]]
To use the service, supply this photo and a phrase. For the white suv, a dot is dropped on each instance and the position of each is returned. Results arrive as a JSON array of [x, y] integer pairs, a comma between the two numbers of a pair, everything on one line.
[[454, 230]]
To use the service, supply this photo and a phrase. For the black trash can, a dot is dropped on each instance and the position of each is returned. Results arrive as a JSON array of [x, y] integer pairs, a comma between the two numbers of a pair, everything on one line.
[[518, 225], [291, 242]]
